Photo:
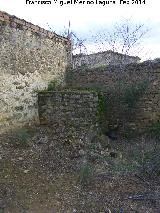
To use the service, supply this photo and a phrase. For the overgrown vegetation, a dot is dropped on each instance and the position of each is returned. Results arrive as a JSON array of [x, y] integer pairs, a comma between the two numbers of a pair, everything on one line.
[[132, 93], [126, 95], [139, 157], [121, 103], [101, 105], [22, 137], [85, 174], [53, 85], [69, 75], [115, 103], [154, 130]]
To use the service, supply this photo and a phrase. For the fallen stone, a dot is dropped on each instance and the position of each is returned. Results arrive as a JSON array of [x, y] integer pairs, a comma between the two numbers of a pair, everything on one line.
[[26, 171]]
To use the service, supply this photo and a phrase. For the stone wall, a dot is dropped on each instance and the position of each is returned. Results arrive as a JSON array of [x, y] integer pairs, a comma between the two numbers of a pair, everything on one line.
[[120, 85], [103, 58], [30, 57], [71, 114]]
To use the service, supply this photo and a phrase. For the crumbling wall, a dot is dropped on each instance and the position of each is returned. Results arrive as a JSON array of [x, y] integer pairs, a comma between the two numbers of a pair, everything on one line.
[[102, 59], [132, 91], [30, 57]]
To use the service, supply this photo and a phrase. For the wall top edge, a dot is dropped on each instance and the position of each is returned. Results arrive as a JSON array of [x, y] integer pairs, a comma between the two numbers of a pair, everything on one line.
[[22, 24]]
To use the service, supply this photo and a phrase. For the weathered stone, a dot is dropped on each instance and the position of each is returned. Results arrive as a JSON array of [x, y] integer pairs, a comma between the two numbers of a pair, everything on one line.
[[102, 58], [28, 62], [119, 81], [19, 108], [64, 115]]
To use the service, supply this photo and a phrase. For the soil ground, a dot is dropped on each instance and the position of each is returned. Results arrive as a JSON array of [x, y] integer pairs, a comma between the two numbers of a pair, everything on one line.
[[42, 175]]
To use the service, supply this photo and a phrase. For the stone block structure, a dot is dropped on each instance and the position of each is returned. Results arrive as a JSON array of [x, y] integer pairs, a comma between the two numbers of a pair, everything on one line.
[[71, 113], [30, 57], [102, 59], [132, 91]]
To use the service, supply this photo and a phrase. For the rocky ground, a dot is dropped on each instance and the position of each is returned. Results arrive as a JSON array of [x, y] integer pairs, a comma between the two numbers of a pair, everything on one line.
[[42, 175]]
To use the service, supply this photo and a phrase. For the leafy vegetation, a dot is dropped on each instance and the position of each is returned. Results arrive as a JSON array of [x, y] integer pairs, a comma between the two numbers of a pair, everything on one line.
[[85, 174], [154, 129], [121, 103], [52, 85], [101, 105], [132, 93], [22, 137]]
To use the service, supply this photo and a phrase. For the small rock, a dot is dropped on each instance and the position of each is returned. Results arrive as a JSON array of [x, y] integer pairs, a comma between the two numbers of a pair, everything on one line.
[[106, 163], [106, 149], [42, 140], [20, 158], [108, 210], [120, 156], [26, 171], [81, 152], [102, 152]]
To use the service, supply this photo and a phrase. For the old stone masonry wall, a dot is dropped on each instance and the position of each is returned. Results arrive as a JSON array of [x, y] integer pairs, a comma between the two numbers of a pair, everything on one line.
[[30, 57], [103, 58], [131, 91], [71, 114]]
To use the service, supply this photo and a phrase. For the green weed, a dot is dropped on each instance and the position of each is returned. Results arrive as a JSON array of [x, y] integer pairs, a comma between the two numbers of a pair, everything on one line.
[[132, 94], [85, 174], [52, 85], [154, 130], [22, 138]]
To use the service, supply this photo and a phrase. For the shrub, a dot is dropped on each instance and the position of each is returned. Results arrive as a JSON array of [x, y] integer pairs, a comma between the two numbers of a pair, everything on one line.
[[154, 130], [52, 85], [85, 174], [132, 93], [22, 137]]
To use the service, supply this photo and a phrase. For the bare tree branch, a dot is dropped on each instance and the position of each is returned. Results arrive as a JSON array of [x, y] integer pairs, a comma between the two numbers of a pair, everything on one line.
[[124, 37]]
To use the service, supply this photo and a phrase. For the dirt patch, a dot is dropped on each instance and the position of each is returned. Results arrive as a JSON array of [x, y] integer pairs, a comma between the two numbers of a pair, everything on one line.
[[43, 175]]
